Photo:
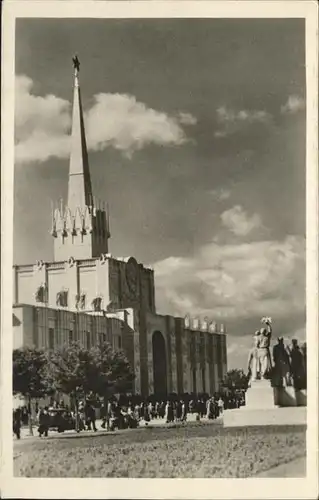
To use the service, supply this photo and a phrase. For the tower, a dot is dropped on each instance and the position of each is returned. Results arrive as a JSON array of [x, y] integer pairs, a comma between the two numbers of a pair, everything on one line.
[[81, 226]]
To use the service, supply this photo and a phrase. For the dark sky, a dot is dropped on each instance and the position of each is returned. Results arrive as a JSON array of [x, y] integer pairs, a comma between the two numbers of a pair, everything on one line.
[[196, 132]]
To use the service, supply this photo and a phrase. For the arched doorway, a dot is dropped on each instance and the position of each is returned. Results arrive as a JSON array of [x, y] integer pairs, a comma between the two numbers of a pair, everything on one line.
[[159, 364]]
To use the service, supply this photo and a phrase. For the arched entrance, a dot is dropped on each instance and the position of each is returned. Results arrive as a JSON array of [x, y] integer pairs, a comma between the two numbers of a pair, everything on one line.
[[159, 364]]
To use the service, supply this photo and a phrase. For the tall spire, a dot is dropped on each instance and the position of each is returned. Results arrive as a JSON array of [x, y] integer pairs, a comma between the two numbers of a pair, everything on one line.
[[80, 227], [79, 189]]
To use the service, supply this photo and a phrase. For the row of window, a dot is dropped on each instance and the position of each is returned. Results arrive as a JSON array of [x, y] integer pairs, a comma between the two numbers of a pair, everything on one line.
[[72, 338]]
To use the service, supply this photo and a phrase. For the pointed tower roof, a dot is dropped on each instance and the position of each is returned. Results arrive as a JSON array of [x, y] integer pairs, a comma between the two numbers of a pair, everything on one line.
[[79, 231], [79, 188]]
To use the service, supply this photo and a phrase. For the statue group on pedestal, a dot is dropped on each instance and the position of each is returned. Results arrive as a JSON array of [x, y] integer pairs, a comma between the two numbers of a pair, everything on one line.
[[286, 367]]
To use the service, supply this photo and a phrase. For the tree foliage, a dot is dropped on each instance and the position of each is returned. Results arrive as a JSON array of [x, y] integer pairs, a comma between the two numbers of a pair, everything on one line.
[[99, 370], [235, 379], [29, 377], [113, 372]]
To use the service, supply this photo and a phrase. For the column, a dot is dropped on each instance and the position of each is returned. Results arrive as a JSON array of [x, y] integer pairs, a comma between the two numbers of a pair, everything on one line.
[[198, 365], [15, 285], [215, 361], [150, 363], [206, 357], [137, 363], [185, 363], [173, 361]]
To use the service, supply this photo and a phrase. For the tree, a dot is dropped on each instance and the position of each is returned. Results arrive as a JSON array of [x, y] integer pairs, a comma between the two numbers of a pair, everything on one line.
[[29, 376], [78, 372], [113, 372], [235, 380]]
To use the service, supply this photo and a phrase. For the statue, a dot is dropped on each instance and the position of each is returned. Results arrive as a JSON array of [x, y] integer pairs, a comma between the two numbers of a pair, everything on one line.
[[253, 361], [259, 361], [304, 354], [298, 367], [97, 304], [282, 371], [40, 293], [264, 358]]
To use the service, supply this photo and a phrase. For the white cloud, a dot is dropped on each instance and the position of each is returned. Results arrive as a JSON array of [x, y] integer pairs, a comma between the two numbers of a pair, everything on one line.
[[187, 119], [129, 125], [43, 124], [293, 105], [231, 121], [220, 194], [228, 282], [239, 222]]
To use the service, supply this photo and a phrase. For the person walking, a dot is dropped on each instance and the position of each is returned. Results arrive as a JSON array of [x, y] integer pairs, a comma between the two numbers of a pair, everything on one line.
[[17, 423], [220, 406], [44, 422], [90, 417], [184, 411]]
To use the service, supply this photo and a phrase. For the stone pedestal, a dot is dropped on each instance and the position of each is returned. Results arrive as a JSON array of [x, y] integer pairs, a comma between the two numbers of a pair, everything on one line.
[[264, 417], [267, 405], [260, 395], [285, 396], [301, 397]]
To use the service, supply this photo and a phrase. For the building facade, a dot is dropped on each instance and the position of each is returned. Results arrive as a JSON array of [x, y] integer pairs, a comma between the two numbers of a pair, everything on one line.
[[88, 295]]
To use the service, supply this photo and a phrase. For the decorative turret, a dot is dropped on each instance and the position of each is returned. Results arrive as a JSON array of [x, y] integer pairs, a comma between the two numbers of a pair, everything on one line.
[[81, 228]]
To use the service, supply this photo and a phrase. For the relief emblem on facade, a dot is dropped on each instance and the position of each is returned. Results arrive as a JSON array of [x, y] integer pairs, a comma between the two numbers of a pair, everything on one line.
[[103, 258], [132, 276], [71, 261], [39, 264]]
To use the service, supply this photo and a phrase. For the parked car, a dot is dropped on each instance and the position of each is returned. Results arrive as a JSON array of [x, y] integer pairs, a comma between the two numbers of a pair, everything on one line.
[[61, 420]]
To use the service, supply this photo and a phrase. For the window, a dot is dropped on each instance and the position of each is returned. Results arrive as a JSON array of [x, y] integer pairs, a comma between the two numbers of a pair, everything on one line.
[[51, 338], [88, 340], [120, 343], [71, 338], [102, 338]]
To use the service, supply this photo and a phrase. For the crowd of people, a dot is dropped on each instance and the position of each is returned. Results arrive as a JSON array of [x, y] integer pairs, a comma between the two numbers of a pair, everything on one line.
[[124, 412]]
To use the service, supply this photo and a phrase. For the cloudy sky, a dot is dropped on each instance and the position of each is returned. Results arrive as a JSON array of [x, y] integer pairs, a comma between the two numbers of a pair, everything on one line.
[[196, 136]]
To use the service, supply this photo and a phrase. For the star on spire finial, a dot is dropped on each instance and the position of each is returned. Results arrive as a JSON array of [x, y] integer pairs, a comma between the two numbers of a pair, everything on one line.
[[76, 64]]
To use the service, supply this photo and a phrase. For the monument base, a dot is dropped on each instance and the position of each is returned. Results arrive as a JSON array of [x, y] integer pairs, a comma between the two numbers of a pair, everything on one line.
[[301, 397], [244, 417], [260, 395], [285, 396]]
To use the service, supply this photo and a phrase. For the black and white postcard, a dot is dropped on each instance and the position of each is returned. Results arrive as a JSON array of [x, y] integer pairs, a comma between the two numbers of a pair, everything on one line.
[[159, 249]]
